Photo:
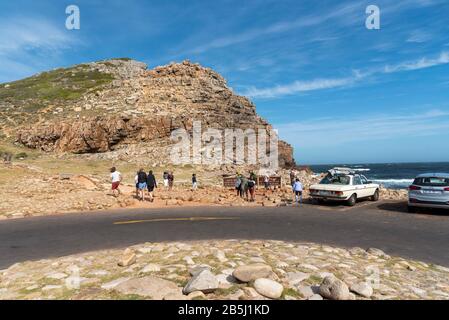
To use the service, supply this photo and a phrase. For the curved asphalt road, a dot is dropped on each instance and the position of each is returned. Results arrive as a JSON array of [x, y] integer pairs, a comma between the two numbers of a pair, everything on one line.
[[383, 225]]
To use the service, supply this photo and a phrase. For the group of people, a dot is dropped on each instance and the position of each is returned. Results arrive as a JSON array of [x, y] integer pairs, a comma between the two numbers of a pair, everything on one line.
[[246, 187], [146, 182]]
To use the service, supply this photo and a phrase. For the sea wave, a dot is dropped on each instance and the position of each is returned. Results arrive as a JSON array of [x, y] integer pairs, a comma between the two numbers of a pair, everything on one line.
[[394, 183]]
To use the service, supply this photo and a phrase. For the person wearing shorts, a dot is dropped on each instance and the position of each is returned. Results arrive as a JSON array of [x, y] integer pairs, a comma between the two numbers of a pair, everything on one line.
[[116, 178], [165, 178], [141, 183], [151, 184], [297, 190]]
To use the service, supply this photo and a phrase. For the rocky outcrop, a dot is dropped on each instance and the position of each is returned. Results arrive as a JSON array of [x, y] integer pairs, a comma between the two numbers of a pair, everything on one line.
[[137, 106]]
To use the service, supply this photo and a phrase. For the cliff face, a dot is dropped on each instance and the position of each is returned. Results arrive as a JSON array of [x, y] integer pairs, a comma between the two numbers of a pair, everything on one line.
[[113, 106]]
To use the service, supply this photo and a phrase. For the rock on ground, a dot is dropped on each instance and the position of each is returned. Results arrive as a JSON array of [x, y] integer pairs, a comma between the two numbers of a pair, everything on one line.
[[151, 287], [268, 288], [203, 281], [247, 273], [334, 289]]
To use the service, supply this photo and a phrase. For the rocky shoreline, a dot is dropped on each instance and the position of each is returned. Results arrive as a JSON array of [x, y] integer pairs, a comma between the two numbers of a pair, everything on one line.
[[229, 270]]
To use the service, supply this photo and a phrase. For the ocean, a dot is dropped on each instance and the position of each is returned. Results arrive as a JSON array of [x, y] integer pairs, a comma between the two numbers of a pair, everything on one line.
[[391, 175]]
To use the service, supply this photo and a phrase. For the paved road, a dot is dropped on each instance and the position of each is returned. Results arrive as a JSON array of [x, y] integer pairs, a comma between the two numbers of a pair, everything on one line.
[[383, 225]]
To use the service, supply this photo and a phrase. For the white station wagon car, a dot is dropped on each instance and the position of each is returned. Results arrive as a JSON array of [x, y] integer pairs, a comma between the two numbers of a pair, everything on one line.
[[344, 184], [429, 190]]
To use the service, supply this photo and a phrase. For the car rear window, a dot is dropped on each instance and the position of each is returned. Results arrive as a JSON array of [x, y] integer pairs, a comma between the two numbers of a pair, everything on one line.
[[336, 179], [432, 182]]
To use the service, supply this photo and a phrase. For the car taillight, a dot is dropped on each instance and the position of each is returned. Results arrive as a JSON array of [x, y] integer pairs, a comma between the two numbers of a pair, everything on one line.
[[412, 187], [446, 189], [338, 193]]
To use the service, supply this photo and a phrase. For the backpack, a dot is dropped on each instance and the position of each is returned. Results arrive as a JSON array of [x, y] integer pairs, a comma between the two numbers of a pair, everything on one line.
[[141, 177], [251, 183]]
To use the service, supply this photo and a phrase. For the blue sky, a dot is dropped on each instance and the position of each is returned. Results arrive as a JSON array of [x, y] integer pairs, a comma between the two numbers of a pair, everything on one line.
[[338, 92]]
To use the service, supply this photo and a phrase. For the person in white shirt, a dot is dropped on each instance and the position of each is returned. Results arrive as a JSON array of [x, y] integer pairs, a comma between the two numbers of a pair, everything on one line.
[[116, 178], [297, 190]]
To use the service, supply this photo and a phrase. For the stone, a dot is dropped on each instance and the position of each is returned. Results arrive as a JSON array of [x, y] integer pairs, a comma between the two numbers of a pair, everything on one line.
[[151, 268], [305, 291], [198, 269], [112, 284], [203, 281], [56, 275], [334, 289], [268, 288], [149, 286], [145, 250], [226, 280], [129, 257], [315, 297], [357, 251], [377, 252], [189, 260], [196, 295], [363, 289], [220, 255], [247, 273], [252, 294], [294, 278], [51, 287]]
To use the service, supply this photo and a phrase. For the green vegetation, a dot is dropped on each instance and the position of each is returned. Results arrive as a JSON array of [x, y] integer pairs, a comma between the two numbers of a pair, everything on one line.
[[290, 292], [57, 85], [21, 155]]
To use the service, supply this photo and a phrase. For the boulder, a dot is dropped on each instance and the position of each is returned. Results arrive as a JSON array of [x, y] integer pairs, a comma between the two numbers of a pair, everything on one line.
[[334, 289], [294, 278], [247, 273], [151, 287], [203, 281], [268, 288], [363, 289], [129, 257]]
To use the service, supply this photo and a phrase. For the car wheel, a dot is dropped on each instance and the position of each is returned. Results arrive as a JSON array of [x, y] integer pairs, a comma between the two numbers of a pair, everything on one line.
[[411, 209], [375, 196], [352, 200]]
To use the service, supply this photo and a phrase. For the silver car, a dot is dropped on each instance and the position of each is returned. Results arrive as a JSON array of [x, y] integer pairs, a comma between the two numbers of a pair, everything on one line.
[[430, 190]]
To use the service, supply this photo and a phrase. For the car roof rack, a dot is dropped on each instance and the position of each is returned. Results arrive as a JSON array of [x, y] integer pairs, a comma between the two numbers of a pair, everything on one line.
[[342, 170]]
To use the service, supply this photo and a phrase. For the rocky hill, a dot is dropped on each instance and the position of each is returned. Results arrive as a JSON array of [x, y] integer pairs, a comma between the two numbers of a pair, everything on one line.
[[118, 108]]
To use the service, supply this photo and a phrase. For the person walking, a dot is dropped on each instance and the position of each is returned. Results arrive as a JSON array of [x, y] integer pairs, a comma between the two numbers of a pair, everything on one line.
[[266, 181], [165, 178], [238, 184], [171, 180], [252, 186], [194, 182], [244, 188], [136, 182], [151, 184], [116, 178], [297, 191], [141, 178]]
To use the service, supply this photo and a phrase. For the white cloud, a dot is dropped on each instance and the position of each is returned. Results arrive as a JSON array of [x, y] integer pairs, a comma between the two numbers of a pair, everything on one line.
[[31, 34], [419, 36], [418, 64], [299, 86], [321, 84], [282, 26], [27, 44], [338, 131]]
